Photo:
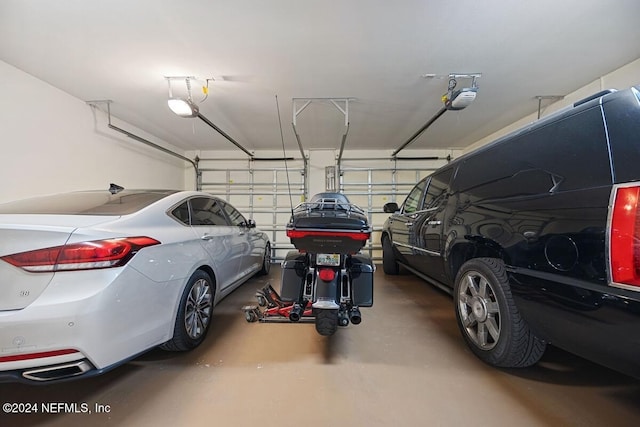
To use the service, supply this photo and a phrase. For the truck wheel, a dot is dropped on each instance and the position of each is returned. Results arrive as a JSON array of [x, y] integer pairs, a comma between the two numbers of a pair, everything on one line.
[[489, 319], [326, 322], [389, 263]]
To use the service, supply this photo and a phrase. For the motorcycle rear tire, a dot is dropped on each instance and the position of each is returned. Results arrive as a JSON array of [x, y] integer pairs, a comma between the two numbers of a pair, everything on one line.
[[326, 322]]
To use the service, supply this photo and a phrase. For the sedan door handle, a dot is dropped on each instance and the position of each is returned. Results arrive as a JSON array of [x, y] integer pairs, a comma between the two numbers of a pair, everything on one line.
[[408, 224], [207, 237]]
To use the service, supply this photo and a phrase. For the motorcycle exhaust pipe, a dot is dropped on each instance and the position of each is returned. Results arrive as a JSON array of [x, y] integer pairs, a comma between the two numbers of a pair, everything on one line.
[[355, 316], [295, 313], [343, 318]]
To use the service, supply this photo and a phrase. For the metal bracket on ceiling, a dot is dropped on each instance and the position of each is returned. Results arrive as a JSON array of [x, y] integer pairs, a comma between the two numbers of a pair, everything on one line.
[[334, 101], [342, 104], [472, 76], [187, 82]]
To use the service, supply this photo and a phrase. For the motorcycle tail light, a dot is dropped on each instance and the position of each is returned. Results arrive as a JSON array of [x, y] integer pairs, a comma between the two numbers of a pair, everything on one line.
[[326, 274], [80, 256], [354, 235], [624, 240]]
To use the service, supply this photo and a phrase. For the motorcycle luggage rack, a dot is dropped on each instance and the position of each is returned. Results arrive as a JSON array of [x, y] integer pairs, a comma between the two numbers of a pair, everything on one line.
[[328, 204]]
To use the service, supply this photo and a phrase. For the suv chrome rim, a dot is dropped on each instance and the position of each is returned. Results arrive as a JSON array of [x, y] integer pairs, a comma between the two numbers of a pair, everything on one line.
[[198, 309], [479, 310]]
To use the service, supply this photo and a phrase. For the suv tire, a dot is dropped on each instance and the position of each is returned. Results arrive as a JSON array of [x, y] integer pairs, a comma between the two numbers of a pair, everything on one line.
[[488, 318]]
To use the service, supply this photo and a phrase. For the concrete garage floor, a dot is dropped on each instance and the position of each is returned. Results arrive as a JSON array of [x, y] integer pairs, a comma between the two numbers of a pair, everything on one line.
[[406, 364]]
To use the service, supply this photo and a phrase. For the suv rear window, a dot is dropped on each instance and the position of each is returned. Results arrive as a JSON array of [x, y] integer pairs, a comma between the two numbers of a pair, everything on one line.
[[86, 203], [561, 156]]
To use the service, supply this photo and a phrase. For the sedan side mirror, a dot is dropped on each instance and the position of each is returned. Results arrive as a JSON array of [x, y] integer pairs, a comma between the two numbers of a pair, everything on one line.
[[251, 223], [391, 207]]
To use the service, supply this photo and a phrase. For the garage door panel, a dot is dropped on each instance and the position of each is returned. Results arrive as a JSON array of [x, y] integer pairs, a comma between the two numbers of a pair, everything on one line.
[[370, 188], [260, 190]]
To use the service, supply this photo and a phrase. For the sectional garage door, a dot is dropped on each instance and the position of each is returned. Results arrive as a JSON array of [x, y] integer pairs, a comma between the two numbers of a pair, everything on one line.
[[260, 190], [372, 187]]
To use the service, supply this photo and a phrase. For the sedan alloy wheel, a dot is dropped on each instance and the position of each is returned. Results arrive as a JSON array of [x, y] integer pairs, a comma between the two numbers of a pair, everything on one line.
[[194, 313], [198, 309]]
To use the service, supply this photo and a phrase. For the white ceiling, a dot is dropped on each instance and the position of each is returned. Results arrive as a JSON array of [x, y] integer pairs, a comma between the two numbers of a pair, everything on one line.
[[371, 51]]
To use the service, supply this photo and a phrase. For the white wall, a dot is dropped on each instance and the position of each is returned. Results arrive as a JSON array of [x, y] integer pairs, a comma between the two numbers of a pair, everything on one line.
[[52, 142], [622, 78]]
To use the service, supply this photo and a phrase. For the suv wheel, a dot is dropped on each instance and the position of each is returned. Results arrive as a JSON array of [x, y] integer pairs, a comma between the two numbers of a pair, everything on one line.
[[489, 319], [389, 263]]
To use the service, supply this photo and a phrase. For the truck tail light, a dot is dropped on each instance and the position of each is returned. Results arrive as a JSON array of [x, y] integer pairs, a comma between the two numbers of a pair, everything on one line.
[[80, 256], [624, 241]]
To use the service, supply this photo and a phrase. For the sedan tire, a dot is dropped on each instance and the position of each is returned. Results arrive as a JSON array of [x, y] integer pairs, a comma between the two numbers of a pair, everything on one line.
[[489, 319], [266, 261], [194, 314]]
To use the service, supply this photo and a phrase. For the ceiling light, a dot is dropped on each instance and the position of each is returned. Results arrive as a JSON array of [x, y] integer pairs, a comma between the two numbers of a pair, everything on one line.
[[183, 107]]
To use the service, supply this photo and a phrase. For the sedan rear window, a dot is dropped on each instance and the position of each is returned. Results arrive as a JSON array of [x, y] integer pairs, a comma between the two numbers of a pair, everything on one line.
[[86, 203]]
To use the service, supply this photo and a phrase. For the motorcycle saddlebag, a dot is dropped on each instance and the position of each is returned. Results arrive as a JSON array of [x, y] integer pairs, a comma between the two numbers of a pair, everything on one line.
[[293, 272], [361, 272]]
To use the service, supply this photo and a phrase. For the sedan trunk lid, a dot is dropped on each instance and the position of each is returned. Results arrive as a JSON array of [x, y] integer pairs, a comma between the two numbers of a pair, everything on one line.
[[21, 233]]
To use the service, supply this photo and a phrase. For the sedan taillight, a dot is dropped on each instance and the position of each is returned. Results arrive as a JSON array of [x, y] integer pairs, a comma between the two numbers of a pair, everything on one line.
[[80, 256], [624, 243]]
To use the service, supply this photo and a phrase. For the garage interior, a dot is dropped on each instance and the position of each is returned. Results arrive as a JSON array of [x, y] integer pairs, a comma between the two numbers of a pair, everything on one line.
[[296, 98]]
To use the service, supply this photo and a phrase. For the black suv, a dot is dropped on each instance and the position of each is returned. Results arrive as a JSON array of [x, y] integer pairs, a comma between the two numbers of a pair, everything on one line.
[[537, 236]]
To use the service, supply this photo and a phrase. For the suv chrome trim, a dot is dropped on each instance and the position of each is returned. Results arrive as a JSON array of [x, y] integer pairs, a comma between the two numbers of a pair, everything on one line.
[[607, 240]]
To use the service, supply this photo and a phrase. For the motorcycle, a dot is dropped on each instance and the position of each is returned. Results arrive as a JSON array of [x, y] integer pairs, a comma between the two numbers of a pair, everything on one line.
[[327, 276]]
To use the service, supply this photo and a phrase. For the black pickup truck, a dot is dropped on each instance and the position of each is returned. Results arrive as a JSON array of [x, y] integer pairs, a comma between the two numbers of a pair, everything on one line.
[[536, 236]]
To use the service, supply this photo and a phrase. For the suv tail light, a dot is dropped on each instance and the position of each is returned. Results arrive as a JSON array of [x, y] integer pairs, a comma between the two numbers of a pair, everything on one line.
[[80, 256], [624, 240]]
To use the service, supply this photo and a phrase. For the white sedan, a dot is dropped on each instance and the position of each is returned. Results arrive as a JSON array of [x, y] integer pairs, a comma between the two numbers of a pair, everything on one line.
[[90, 280]]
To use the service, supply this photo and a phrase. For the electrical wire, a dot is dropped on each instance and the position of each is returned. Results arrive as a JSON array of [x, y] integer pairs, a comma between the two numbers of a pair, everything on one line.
[[284, 155]]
